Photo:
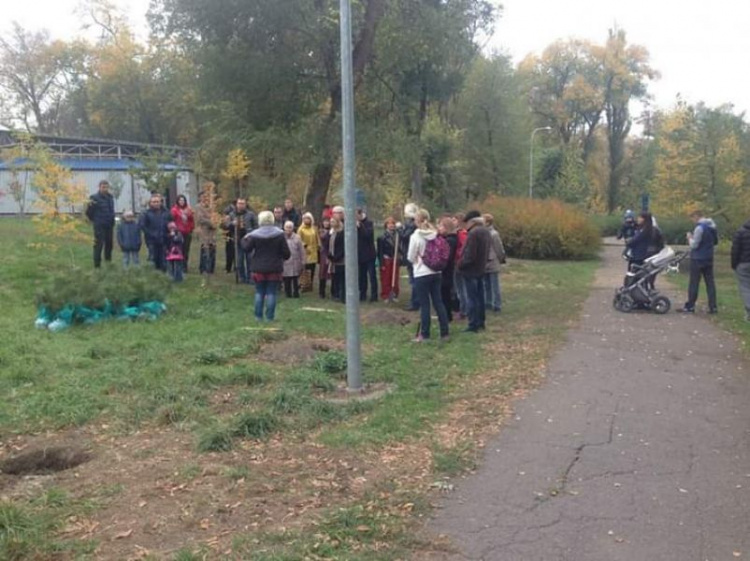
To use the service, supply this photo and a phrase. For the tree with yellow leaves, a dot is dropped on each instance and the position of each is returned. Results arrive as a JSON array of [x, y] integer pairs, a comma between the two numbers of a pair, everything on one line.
[[237, 170], [60, 199]]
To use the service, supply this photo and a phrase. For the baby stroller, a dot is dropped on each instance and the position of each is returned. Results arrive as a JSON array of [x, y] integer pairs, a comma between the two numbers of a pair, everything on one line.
[[636, 293]]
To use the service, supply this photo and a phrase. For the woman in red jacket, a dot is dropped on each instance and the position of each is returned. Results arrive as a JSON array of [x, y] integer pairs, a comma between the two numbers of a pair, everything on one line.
[[183, 217]]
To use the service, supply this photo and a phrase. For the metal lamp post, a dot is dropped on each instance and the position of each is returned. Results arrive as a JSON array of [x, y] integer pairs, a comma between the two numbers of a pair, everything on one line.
[[531, 159], [353, 355]]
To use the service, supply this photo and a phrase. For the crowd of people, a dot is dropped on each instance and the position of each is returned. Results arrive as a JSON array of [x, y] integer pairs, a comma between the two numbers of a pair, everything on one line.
[[453, 264]]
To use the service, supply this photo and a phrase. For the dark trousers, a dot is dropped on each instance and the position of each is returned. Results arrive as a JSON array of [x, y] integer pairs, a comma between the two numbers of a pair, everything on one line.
[[413, 301], [208, 259], [102, 240], [291, 287], [446, 292], [475, 302], [428, 290], [368, 270], [188, 240], [338, 283], [229, 253], [242, 263], [159, 256], [698, 269]]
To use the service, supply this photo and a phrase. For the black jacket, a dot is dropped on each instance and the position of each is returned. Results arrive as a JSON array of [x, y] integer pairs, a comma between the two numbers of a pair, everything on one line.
[[366, 241], [741, 245], [153, 224], [101, 210], [452, 240], [292, 216], [338, 255], [268, 249], [405, 237], [476, 252], [386, 246], [246, 221], [129, 236]]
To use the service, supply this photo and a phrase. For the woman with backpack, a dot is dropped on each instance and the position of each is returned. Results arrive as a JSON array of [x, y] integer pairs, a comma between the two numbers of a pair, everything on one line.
[[429, 254]]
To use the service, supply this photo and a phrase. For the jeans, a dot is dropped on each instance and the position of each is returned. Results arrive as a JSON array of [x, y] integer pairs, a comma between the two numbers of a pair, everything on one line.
[[413, 301], [743, 280], [366, 270], [492, 297], [175, 270], [130, 258], [460, 282], [698, 269], [427, 289], [159, 256], [208, 259], [475, 302], [103, 239], [265, 293]]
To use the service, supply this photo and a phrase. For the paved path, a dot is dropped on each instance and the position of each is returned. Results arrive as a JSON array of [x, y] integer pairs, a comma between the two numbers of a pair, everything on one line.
[[637, 448]]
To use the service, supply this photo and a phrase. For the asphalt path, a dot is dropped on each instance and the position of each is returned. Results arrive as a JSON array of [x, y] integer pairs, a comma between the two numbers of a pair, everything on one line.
[[636, 448]]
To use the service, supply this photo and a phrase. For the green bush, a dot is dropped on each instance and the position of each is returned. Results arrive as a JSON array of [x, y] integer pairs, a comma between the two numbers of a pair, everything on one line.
[[99, 289], [543, 229], [674, 229], [608, 224]]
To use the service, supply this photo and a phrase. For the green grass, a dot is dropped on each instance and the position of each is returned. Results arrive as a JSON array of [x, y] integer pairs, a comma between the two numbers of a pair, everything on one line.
[[173, 372]]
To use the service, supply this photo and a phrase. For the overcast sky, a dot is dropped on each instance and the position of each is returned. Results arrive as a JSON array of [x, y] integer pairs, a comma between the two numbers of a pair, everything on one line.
[[702, 52]]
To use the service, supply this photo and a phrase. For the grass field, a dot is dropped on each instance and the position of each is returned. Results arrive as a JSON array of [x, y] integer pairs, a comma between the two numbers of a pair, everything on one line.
[[209, 438]]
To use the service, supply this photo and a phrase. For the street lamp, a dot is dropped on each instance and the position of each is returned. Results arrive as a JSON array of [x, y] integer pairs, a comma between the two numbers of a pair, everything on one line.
[[531, 159]]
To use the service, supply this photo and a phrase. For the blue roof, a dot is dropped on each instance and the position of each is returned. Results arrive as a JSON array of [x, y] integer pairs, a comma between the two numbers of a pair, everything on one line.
[[114, 164]]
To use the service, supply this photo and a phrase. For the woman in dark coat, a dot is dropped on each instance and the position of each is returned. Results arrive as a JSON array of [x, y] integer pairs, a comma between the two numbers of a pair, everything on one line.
[[268, 249]]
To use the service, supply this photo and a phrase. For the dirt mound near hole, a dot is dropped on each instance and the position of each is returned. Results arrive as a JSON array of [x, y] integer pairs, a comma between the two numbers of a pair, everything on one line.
[[297, 350], [45, 460], [387, 316]]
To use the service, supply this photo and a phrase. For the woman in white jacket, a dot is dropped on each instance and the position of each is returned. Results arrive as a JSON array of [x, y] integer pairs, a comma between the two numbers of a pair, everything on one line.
[[427, 283]]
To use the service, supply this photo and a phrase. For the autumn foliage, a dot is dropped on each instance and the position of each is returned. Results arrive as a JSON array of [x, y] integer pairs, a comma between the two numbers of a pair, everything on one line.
[[543, 229]]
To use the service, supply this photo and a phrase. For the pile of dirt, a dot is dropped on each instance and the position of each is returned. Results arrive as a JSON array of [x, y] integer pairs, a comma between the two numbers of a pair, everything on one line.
[[387, 317], [296, 351], [45, 460]]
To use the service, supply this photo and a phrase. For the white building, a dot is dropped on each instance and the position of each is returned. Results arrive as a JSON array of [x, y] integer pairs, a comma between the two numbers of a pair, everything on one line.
[[92, 160]]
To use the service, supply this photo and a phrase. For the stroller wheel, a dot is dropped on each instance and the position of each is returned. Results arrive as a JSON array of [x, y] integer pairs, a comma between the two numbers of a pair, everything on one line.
[[661, 305], [616, 303], [626, 305]]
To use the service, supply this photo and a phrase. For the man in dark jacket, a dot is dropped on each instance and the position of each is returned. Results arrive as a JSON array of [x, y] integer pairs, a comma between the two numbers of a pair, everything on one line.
[[473, 266], [101, 213], [290, 214], [702, 241], [154, 227], [367, 256], [239, 222], [741, 263]]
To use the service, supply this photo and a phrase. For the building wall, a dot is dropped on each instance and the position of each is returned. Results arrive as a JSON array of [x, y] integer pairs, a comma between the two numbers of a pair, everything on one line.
[[132, 196]]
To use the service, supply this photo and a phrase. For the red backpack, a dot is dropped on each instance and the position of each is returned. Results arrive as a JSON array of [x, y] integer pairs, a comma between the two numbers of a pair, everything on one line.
[[436, 254]]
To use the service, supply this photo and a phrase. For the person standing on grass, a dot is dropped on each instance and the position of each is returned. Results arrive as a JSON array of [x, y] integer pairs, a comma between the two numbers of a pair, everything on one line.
[[427, 281], [336, 256], [389, 267], [129, 239], [184, 217], [175, 252], [741, 264], [268, 250], [294, 265], [154, 227], [367, 256], [101, 212], [290, 214], [324, 274], [702, 241], [473, 267], [458, 277], [230, 242], [447, 230], [240, 221], [278, 217], [405, 233], [310, 237], [206, 235], [492, 296]]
